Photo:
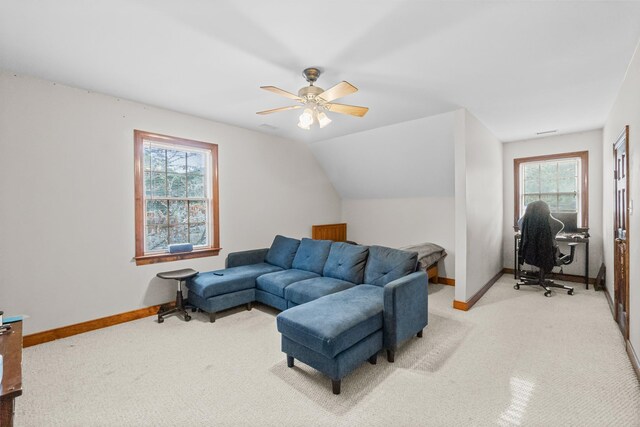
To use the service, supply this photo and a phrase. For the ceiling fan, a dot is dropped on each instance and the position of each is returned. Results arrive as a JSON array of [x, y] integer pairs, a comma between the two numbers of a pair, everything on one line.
[[316, 101]]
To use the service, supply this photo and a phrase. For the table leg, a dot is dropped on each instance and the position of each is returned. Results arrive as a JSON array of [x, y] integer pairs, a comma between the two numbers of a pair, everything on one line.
[[6, 412]]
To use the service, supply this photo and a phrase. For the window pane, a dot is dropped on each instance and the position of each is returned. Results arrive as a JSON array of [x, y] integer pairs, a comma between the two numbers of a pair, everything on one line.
[[532, 186], [156, 212], [195, 185], [178, 234], [176, 161], [530, 198], [531, 172], [551, 200], [147, 184], [568, 168], [158, 159], [147, 158], [177, 212], [177, 185], [158, 184], [197, 212], [567, 185], [567, 203], [195, 163], [156, 238], [198, 234], [548, 177]]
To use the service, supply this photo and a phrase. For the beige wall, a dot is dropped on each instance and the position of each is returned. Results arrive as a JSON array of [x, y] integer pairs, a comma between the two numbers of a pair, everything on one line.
[[403, 222], [396, 183], [625, 111], [478, 206], [67, 212], [590, 141]]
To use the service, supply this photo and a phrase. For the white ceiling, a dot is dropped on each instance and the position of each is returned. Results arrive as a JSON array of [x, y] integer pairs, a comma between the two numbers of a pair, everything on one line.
[[520, 67]]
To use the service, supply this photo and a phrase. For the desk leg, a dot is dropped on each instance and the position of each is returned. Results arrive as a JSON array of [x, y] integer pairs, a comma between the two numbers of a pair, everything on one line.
[[586, 265]]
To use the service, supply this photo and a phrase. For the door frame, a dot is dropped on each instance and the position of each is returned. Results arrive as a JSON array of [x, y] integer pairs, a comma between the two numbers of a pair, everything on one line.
[[624, 134]]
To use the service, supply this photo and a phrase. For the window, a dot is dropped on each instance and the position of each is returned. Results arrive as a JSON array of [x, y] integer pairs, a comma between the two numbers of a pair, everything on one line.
[[176, 191], [561, 180]]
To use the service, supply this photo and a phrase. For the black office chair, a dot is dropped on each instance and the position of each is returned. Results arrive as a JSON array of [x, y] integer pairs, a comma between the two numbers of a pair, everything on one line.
[[539, 248]]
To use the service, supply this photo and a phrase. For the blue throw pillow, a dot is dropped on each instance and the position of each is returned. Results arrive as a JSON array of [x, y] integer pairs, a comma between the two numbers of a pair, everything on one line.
[[387, 264], [346, 262], [282, 251], [311, 255]]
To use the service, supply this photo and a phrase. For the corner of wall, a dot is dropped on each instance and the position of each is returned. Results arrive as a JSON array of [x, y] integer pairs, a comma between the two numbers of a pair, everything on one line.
[[459, 138]]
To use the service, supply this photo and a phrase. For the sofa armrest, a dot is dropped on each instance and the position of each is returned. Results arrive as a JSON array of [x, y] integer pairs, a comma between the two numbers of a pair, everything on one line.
[[253, 256], [405, 308]]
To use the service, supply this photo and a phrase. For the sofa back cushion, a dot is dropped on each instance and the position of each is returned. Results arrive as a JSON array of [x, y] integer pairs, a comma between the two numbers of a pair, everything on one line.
[[311, 255], [387, 264], [346, 262], [282, 251]]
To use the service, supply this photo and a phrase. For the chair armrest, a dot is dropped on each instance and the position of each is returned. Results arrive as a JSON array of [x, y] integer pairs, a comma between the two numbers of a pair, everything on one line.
[[253, 256], [568, 259], [405, 308]]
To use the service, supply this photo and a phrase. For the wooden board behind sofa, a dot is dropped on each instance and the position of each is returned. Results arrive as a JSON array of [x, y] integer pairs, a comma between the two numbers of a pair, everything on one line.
[[335, 232]]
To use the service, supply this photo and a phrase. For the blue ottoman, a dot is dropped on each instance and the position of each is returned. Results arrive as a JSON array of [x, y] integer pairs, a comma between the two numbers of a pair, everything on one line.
[[221, 289], [336, 333]]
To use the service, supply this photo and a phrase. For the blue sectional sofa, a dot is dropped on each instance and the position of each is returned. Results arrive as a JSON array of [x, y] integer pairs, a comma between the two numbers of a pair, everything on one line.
[[341, 303]]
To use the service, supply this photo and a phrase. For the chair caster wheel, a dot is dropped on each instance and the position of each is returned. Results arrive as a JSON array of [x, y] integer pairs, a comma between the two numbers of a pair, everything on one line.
[[516, 287], [194, 309], [547, 294], [160, 320], [570, 292], [187, 318]]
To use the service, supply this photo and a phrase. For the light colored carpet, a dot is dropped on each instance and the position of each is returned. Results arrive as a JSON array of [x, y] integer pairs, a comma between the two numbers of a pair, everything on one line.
[[517, 358]]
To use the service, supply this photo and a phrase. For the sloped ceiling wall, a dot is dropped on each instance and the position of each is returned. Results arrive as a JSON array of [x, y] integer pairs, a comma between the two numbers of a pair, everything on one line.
[[409, 159]]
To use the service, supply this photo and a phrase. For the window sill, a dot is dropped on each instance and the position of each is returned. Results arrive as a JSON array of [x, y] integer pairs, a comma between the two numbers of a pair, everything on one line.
[[167, 257]]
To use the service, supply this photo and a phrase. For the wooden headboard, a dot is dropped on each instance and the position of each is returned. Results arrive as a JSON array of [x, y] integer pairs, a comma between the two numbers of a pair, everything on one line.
[[335, 232]]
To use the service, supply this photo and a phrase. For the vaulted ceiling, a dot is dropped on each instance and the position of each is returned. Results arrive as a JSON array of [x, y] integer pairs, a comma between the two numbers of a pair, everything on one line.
[[520, 67]]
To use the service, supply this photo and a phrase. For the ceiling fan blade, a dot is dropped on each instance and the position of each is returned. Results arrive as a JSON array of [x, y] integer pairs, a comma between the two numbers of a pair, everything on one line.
[[275, 110], [338, 91], [281, 92], [352, 110]]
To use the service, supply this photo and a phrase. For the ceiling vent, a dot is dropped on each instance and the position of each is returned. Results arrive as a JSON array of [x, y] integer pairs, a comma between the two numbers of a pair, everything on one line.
[[546, 132]]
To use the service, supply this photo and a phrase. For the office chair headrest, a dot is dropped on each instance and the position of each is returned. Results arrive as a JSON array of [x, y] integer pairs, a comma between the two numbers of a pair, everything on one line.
[[537, 208]]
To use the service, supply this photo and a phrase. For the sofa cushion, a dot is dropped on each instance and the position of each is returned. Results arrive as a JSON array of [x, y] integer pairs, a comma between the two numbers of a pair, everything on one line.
[[346, 262], [334, 323], [282, 251], [385, 265], [219, 282], [311, 255], [276, 282], [310, 289]]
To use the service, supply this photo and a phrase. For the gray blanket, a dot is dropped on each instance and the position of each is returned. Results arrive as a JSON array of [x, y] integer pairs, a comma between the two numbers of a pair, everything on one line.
[[428, 253]]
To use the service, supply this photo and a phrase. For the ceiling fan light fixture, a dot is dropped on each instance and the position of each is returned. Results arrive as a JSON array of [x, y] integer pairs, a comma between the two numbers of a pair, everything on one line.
[[303, 126], [306, 118], [323, 119]]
